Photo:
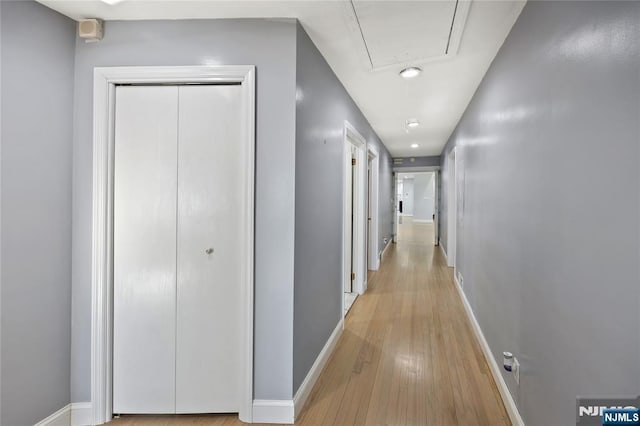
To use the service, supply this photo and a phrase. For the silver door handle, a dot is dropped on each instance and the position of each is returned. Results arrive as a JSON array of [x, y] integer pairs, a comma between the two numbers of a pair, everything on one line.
[[209, 251]]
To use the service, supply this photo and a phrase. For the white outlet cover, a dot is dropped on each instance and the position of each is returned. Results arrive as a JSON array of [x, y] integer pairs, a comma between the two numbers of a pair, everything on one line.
[[516, 370]]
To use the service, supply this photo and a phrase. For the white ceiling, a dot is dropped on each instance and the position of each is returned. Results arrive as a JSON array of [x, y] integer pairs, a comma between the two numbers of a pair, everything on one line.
[[367, 43]]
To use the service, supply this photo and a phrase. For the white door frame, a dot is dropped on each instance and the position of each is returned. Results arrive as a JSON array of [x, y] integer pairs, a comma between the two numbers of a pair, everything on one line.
[[353, 138], [372, 249], [452, 208], [105, 81], [436, 210]]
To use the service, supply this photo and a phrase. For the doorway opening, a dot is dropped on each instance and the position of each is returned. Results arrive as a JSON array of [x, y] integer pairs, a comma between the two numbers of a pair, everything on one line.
[[416, 194], [354, 229]]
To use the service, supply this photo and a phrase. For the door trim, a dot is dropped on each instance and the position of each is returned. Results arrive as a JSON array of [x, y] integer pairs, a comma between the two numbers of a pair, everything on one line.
[[396, 213], [105, 81], [353, 138], [373, 204], [452, 208]]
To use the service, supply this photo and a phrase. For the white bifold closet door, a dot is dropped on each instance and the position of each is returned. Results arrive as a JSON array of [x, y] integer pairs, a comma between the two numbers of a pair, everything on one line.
[[208, 343], [144, 284], [177, 259]]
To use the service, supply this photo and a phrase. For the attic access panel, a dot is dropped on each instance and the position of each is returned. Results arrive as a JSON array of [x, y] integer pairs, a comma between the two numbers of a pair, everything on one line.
[[401, 32]]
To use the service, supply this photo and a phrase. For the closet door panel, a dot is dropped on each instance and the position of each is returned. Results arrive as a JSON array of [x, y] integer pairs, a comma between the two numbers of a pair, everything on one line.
[[208, 369], [145, 185]]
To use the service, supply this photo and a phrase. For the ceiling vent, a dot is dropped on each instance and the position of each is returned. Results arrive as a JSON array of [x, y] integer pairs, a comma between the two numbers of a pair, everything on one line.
[[90, 30]]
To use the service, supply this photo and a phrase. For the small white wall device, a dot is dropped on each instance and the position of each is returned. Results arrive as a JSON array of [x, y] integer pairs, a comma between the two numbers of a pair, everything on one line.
[[507, 361], [90, 30]]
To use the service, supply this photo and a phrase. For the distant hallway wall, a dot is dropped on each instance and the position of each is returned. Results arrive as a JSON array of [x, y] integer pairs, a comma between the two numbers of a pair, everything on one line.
[[423, 196]]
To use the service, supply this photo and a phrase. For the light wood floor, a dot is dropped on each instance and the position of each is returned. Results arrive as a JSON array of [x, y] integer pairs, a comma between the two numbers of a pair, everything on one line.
[[407, 355]]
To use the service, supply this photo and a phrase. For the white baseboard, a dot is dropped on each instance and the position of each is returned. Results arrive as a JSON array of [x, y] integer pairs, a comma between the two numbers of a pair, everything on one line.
[[81, 414], [74, 414], [444, 253], [264, 411], [273, 411], [62, 417], [384, 250], [507, 399], [312, 376]]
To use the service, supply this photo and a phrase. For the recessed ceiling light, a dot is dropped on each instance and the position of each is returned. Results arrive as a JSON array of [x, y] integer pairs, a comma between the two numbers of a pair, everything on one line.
[[410, 72], [413, 123], [111, 2], [414, 145]]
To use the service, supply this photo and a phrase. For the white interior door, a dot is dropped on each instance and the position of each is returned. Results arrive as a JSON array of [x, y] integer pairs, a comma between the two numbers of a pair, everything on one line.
[[178, 263], [210, 172], [144, 284]]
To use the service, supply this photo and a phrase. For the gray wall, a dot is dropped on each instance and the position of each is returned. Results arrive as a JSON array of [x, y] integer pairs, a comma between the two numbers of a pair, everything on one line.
[[270, 45], [552, 130], [37, 47], [423, 196], [407, 197], [407, 162], [322, 106]]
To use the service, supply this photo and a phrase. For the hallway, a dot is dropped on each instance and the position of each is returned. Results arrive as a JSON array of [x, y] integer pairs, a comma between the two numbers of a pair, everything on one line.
[[407, 355]]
